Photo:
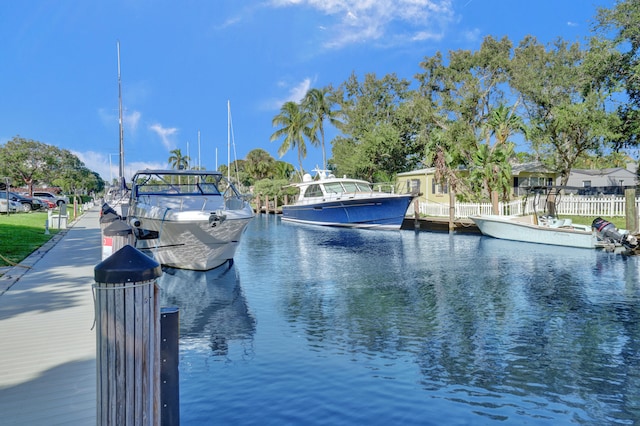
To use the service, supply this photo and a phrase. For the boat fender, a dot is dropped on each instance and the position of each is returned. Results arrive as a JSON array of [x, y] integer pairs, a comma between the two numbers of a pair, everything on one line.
[[216, 218], [135, 222]]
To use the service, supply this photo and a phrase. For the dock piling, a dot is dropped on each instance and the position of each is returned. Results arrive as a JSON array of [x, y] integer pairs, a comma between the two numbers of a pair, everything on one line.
[[127, 339]]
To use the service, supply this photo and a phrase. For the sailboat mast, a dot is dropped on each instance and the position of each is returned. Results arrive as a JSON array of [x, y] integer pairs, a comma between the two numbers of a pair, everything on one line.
[[121, 169], [228, 140]]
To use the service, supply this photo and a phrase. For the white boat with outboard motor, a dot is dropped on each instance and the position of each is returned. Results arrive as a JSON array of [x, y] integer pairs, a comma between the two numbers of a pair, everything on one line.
[[555, 231], [534, 229], [331, 201], [547, 228], [187, 219]]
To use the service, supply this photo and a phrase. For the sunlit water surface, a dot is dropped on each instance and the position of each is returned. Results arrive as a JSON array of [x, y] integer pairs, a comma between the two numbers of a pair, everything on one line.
[[326, 326]]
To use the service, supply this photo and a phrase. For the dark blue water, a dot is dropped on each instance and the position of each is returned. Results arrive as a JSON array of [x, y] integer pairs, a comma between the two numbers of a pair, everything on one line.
[[324, 326]]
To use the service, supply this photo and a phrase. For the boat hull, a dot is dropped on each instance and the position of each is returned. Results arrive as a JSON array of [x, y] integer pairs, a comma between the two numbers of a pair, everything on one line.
[[193, 244], [386, 212], [506, 228]]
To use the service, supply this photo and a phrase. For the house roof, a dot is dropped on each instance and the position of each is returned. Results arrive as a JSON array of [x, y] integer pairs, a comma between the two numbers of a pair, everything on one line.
[[516, 169], [531, 167], [603, 172], [418, 172]]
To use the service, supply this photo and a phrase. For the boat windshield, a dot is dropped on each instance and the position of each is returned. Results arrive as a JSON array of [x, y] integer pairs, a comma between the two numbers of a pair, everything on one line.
[[178, 185], [333, 188], [313, 191], [356, 187]]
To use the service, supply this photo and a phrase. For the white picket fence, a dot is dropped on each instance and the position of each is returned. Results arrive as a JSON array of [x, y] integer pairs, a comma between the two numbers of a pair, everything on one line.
[[568, 205]]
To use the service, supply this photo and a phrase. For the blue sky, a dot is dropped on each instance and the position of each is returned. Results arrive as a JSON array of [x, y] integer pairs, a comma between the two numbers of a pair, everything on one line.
[[182, 61]]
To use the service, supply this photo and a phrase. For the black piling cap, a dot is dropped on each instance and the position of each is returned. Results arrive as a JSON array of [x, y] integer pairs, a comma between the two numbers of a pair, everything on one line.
[[127, 265], [109, 217], [117, 228]]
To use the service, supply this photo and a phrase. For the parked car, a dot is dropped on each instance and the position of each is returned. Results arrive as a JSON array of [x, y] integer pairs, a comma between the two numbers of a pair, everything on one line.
[[46, 202], [57, 199], [11, 206], [28, 203]]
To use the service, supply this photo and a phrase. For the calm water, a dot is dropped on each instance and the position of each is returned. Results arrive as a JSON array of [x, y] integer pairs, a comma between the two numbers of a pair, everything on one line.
[[323, 326]]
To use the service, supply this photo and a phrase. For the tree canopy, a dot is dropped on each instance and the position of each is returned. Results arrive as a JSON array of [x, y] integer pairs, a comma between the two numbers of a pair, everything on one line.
[[31, 163], [472, 114]]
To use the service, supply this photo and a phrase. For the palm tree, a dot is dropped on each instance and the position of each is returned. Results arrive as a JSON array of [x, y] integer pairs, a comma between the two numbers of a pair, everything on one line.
[[294, 122], [319, 104], [494, 160], [259, 164], [283, 170], [178, 161]]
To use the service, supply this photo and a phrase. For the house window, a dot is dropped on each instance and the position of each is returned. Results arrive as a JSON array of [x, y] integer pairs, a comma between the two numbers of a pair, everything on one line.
[[413, 186], [439, 189], [586, 184]]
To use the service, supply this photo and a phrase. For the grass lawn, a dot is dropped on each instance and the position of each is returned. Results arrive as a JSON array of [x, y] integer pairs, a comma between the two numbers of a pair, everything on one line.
[[618, 222], [21, 234]]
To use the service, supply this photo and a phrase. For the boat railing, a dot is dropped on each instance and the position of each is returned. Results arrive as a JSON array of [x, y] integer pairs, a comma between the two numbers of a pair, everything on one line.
[[386, 187]]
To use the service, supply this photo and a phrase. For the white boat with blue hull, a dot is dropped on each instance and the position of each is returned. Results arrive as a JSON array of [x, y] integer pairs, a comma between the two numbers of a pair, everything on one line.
[[345, 202], [187, 219]]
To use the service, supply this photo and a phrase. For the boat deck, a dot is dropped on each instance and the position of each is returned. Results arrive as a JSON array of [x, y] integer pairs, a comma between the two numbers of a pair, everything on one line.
[[48, 373]]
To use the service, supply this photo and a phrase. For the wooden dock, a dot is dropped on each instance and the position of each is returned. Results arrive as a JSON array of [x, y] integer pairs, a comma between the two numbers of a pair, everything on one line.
[[441, 224], [48, 368]]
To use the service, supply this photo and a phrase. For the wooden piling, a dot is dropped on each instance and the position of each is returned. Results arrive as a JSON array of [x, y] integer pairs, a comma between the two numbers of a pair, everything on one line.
[[452, 210], [630, 212], [127, 339]]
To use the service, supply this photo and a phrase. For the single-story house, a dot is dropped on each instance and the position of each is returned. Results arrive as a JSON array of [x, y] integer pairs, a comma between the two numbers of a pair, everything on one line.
[[524, 175], [603, 181]]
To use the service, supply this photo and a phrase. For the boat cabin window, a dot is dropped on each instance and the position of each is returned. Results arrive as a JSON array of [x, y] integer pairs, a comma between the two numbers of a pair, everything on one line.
[[363, 187], [313, 191], [356, 187], [209, 188], [333, 188]]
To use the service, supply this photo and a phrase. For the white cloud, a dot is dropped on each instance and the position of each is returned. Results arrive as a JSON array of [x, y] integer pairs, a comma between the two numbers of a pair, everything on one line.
[[166, 135], [295, 93], [473, 35], [130, 120], [356, 21], [108, 165]]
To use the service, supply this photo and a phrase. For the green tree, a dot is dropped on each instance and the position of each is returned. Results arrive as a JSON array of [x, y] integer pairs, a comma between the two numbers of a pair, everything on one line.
[[319, 104], [378, 130], [26, 161], [622, 65], [294, 124], [494, 158], [456, 102], [177, 160], [259, 164], [283, 170], [563, 102]]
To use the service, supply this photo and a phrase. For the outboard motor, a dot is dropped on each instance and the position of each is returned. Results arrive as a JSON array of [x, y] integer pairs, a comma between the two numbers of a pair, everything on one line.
[[606, 231]]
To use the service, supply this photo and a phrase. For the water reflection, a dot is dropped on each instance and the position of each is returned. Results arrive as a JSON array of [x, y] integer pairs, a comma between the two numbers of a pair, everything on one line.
[[362, 327], [212, 306], [486, 320]]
